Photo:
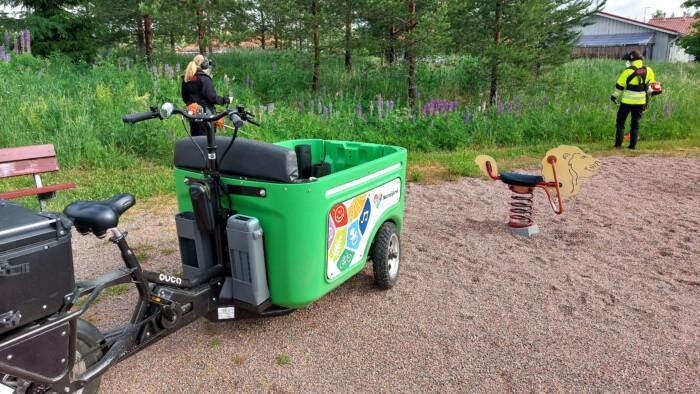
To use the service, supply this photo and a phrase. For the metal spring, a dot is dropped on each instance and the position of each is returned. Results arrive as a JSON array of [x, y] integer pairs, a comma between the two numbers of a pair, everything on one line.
[[521, 208]]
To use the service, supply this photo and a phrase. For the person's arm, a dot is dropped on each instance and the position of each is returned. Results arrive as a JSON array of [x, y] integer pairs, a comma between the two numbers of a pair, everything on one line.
[[209, 93], [620, 85], [183, 92]]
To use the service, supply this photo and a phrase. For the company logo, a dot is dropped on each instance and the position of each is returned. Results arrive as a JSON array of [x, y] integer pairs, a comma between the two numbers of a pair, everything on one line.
[[170, 279]]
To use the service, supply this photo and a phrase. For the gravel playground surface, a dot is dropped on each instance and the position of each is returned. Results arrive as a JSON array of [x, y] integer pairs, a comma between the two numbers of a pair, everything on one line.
[[605, 299]]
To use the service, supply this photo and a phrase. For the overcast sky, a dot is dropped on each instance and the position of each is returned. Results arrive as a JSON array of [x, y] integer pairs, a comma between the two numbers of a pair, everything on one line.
[[635, 8]]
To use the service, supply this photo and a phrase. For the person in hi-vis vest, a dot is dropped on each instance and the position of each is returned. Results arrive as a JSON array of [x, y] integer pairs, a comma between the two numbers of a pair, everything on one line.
[[632, 93]]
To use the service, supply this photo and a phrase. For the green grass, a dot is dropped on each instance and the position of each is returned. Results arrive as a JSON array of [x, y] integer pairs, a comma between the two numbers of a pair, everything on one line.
[[79, 109], [283, 359]]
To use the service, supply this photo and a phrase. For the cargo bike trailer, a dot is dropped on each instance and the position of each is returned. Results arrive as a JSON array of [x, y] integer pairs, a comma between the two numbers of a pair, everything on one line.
[[263, 229]]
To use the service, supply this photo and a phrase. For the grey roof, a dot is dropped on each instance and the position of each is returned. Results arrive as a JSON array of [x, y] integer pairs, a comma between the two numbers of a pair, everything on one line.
[[609, 40]]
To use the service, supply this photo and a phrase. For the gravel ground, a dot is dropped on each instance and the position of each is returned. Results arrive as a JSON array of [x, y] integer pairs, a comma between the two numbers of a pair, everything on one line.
[[605, 299]]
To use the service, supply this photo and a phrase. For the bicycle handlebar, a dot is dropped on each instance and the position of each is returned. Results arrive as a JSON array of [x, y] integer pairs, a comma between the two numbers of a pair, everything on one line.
[[237, 115], [140, 117]]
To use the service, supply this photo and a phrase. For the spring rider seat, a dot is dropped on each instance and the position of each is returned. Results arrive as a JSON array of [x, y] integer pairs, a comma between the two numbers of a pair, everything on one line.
[[562, 169]]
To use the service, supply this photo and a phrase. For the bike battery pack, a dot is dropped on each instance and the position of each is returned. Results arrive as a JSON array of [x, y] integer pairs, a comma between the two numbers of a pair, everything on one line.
[[36, 265], [247, 255]]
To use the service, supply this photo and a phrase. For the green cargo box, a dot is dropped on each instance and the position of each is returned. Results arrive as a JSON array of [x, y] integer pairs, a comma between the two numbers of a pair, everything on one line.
[[317, 234]]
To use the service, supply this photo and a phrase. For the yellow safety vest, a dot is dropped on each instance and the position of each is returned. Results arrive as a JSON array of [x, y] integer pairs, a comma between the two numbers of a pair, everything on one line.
[[628, 84]]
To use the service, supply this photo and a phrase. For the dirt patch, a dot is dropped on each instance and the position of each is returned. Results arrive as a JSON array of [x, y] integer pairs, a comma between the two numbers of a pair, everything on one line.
[[604, 299]]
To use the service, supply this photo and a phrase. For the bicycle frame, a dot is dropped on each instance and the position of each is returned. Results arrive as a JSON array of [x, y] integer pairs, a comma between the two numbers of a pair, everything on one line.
[[163, 307]]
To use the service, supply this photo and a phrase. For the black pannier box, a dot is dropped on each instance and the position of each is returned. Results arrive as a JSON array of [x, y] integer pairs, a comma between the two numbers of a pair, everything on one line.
[[36, 265]]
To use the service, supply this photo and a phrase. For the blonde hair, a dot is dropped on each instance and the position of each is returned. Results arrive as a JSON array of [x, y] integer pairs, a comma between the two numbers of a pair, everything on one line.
[[193, 67]]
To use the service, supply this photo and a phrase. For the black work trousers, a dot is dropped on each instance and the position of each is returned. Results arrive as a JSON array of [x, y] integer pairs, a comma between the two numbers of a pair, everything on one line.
[[626, 109], [199, 128]]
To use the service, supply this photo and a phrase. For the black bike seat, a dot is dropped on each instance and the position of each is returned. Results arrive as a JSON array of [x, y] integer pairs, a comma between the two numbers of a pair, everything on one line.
[[515, 179], [98, 216]]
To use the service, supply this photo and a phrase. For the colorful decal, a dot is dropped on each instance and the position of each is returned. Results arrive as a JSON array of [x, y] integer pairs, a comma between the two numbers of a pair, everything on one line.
[[331, 232], [356, 206], [364, 217], [354, 236], [345, 260], [338, 244], [350, 225], [339, 214]]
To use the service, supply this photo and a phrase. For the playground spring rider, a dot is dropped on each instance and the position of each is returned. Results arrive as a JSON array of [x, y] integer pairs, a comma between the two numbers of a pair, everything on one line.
[[562, 169]]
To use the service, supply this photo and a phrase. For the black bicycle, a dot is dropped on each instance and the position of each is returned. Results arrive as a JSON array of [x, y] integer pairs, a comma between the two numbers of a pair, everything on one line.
[[45, 346]]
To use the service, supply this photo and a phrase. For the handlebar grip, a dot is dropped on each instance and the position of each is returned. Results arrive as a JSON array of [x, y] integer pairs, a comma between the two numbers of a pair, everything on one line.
[[139, 117]]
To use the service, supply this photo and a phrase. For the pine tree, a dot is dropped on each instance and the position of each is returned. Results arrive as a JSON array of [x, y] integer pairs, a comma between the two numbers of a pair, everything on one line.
[[518, 38]]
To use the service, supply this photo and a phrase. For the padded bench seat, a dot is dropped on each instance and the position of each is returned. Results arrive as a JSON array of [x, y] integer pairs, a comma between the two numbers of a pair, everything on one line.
[[246, 158]]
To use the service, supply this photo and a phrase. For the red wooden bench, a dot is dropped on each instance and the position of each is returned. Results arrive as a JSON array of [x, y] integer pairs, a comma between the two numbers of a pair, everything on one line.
[[31, 160]]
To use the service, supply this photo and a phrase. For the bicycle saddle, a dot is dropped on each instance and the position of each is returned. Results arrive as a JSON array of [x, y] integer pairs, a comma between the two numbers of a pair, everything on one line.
[[98, 216]]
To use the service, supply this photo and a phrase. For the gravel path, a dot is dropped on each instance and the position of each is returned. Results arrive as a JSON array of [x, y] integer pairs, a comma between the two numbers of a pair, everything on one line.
[[605, 299]]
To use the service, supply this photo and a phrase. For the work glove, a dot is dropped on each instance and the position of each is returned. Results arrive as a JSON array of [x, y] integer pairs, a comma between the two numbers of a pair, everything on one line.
[[613, 99], [229, 99]]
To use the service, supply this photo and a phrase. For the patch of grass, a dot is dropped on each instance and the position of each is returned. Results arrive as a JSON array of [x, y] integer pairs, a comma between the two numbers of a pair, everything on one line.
[[448, 165], [283, 359], [215, 343]]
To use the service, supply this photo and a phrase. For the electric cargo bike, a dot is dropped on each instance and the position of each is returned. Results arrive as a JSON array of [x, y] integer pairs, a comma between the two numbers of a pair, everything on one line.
[[262, 228]]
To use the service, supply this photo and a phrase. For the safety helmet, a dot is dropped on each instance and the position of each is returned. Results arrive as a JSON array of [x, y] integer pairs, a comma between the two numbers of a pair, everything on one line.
[[655, 88]]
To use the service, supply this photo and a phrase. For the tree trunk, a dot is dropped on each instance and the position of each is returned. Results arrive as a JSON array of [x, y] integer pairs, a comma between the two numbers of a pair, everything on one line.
[[411, 53], [493, 96], [262, 30], [348, 35], [148, 37], [390, 53], [201, 31], [317, 46]]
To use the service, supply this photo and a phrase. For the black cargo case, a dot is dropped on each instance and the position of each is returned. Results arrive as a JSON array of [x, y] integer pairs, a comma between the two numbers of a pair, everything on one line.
[[36, 265]]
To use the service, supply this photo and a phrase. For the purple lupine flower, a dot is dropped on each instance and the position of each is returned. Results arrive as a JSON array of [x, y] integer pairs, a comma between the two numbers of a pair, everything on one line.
[[247, 81], [154, 70], [29, 42], [320, 107], [389, 106], [499, 108], [177, 68], [358, 110], [22, 43], [300, 106], [545, 101], [271, 107], [466, 119], [16, 46], [667, 110], [507, 106], [127, 61], [8, 40], [330, 109], [371, 108], [311, 106]]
